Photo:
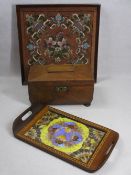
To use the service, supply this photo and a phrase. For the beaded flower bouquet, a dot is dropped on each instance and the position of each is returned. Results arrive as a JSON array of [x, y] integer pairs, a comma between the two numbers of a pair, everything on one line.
[[75, 140]]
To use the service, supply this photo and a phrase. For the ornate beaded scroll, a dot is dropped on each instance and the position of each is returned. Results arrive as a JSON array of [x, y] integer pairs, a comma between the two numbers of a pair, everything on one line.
[[58, 38], [66, 135]]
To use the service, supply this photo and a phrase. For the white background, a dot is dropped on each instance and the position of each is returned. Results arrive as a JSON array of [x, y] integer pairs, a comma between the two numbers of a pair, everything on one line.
[[112, 96]]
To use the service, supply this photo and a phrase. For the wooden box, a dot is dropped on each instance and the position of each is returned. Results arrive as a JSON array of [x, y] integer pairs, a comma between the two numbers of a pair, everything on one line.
[[65, 84]]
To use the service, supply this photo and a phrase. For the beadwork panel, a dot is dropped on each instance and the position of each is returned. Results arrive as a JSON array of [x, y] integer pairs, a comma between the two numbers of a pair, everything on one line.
[[57, 35]]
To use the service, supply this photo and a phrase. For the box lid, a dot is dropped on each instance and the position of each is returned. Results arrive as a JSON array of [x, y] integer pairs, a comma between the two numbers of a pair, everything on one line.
[[72, 75], [58, 34]]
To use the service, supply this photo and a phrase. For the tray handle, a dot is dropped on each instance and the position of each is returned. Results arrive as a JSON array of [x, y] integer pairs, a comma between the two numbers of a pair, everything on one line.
[[23, 119], [105, 151]]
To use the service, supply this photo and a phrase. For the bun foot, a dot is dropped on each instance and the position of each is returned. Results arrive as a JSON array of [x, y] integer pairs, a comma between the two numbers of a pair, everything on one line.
[[87, 104]]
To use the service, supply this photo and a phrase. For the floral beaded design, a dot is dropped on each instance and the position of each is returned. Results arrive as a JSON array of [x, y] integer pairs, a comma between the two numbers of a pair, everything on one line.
[[66, 135], [58, 39], [57, 48]]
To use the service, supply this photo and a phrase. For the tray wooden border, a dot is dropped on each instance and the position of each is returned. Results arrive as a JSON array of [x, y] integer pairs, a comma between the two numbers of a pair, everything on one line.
[[93, 164]]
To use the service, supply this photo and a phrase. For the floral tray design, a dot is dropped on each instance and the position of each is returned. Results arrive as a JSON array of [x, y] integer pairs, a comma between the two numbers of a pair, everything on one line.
[[60, 34], [73, 139], [66, 135]]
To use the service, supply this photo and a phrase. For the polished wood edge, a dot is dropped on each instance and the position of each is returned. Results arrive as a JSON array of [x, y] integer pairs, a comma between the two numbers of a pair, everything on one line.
[[20, 44], [97, 42], [56, 5], [96, 161]]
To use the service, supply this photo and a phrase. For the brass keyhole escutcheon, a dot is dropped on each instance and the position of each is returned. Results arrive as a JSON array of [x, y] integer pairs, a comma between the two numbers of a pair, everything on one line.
[[61, 89]]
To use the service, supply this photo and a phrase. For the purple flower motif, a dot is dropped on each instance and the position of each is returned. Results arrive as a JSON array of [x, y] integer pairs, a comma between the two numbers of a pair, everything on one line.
[[65, 135]]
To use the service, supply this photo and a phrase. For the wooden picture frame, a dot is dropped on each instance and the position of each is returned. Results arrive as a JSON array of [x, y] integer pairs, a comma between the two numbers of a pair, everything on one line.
[[80, 142], [29, 52]]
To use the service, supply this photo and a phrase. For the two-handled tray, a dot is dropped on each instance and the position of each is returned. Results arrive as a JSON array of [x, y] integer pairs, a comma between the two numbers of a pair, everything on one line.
[[73, 139]]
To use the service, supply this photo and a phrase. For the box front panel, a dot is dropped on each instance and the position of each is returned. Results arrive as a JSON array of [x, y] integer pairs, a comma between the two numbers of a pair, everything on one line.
[[61, 94]]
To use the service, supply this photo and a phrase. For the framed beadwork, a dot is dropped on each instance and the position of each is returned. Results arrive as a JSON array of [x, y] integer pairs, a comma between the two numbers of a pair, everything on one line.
[[73, 139], [58, 34]]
